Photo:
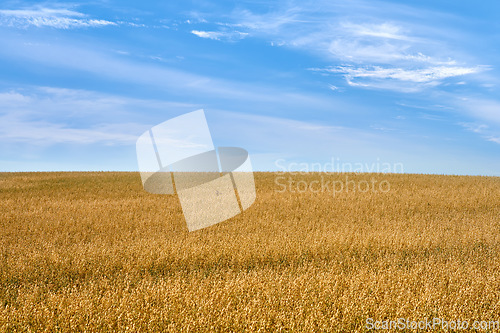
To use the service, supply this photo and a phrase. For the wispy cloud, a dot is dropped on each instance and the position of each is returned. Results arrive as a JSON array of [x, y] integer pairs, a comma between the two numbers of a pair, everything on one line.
[[220, 35], [386, 30], [487, 113], [494, 139], [59, 18], [250, 24], [476, 128], [488, 132], [69, 54], [271, 22], [378, 44], [45, 116], [45, 133], [414, 79]]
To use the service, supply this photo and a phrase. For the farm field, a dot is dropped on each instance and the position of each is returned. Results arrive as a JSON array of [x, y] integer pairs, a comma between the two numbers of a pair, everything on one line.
[[92, 251]]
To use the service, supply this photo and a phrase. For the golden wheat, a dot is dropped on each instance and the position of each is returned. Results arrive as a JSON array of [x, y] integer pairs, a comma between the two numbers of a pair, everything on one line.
[[95, 252]]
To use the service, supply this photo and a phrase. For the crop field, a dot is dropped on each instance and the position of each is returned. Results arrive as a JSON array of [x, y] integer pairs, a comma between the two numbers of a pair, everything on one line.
[[92, 251]]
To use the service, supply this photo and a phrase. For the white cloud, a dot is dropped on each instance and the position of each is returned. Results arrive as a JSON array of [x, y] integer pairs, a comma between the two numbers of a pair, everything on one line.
[[331, 31], [66, 54], [220, 35], [494, 139], [206, 34], [270, 23], [59, 18], [476, 128], [13, 98], [487, 132], [47, 115], [44, 133], [382, 77], [382, 44], [39, 12], [386, 30], [423, 75]]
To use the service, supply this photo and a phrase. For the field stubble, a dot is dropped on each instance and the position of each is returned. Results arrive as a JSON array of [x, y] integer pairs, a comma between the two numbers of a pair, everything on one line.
[[95, 252]]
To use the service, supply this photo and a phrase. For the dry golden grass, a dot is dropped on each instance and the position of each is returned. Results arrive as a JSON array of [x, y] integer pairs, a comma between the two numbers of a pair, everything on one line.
[[94, 252]]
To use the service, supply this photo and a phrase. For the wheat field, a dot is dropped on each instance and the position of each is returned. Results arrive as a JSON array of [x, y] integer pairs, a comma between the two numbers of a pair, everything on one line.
[[94, 252]]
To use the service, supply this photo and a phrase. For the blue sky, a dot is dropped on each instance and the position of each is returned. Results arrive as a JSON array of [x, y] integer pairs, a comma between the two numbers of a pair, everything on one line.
[[414, 83]]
